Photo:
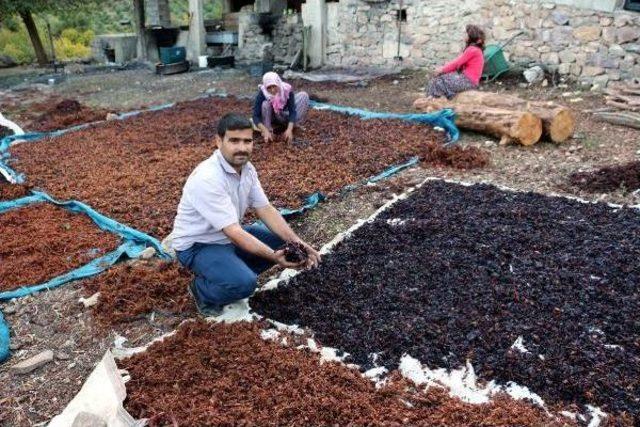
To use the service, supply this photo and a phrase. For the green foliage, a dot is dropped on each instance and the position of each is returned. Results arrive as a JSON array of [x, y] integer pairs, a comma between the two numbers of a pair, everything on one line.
[[69, 44], [11, 7], [101, 18], [75, 22], [12, 23], [76, 47], [17, 45], [180, 11]]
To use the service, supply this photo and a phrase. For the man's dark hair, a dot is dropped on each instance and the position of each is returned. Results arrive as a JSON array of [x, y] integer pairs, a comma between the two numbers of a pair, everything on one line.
[[233, 121]]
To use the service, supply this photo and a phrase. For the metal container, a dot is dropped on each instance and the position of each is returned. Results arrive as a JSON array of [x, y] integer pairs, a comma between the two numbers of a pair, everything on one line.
[[178, 67], [172, 55], [219, 61]]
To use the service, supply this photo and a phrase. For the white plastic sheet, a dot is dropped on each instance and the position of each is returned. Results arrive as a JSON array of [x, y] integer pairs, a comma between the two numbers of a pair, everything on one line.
[[17, 130], [101, 395]]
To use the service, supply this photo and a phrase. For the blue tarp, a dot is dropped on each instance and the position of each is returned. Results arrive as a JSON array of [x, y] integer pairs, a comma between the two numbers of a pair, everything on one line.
[[134, 242], [310, 202], [4, 339], [443, 118]]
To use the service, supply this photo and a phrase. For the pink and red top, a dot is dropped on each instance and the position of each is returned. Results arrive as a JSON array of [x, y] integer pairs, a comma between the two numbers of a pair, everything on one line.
[[470, 62]]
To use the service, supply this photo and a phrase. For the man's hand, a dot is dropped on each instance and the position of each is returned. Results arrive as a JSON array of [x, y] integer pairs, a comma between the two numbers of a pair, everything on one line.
[[288, 135], [314, 256], [266, 135], [438, 71], [274, 221], [279, 258]]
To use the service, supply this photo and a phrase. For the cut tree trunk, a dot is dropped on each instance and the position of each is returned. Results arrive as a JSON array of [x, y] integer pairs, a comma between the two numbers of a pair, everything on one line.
[[623, 119], [558, 122], [510, 126], [41, 55]]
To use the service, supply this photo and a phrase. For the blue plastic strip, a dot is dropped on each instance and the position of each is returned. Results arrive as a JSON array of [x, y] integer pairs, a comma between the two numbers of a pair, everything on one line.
[[123, 116], [98, 265], [390, 171], [6, 142], [4, 339], [443, 118], [105, 223], [316, 198], [310, 202], [19, 203], [394, 170]]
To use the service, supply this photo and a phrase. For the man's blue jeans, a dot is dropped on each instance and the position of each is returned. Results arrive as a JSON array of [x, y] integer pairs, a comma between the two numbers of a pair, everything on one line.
[[226, 273]]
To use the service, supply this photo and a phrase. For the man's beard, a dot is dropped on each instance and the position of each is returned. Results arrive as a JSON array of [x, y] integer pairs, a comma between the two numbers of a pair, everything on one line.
[[245, 158]]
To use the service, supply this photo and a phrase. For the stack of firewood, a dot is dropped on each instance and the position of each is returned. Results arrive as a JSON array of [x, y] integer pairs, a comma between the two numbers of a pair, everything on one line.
[[512, 119], [623, 105]]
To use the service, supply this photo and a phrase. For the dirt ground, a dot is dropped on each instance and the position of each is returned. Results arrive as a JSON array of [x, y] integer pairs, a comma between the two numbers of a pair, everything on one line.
[[55, 320]]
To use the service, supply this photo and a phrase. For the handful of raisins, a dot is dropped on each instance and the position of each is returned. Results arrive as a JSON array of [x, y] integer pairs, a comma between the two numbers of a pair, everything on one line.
[[294, 252]]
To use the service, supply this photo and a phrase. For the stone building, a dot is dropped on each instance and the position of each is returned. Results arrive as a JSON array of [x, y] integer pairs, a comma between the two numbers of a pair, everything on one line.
[[593, 41]]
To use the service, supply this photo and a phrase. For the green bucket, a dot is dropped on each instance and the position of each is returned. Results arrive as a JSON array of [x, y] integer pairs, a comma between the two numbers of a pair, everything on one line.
[[495, 63]]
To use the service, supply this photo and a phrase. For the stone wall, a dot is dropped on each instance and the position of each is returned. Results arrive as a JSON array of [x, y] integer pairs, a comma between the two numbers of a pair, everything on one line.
[[253, 45], [587, 44], [157, 12], [287, 38], [124, 46], [281, 46]]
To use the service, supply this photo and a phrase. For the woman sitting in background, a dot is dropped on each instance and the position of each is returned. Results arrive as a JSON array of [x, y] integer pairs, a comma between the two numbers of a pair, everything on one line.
[[464, 72], [276, 104]]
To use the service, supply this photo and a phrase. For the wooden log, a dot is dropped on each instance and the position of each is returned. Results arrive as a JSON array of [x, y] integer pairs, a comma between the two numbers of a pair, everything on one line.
[[622, 105], [622, 119], [632, 101], [621, 91], [558, 122], [510, 126]]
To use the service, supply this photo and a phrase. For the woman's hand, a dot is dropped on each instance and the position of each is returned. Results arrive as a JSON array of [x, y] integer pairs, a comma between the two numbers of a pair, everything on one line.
[[438, 71], [288, 135], [266, 135]]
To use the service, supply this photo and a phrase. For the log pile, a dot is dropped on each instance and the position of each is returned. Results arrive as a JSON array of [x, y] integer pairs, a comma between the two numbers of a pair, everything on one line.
[[509, 118], [623, 105]]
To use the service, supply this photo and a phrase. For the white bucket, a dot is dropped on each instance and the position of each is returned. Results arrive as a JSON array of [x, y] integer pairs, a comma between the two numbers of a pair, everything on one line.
[[202, 61]]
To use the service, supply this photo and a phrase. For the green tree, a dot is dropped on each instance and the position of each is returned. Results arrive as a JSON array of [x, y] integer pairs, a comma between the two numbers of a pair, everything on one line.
[[26, 8]]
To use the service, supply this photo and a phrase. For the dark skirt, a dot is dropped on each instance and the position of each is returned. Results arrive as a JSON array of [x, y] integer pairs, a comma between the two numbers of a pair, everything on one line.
[[449, 85]]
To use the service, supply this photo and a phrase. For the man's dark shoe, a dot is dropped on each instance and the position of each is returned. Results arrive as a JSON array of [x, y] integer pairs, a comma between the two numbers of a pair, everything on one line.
[[206, 310]]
